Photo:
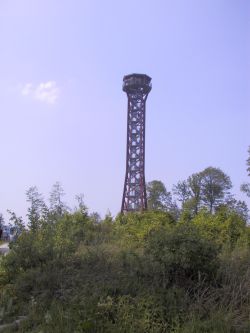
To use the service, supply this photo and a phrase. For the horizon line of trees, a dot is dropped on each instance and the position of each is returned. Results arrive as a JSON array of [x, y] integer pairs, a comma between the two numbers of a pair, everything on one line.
[[208, 189], [153, 272]]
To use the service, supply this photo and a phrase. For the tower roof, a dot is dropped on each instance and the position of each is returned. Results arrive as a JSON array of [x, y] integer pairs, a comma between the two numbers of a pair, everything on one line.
[[137, 82], [136, 75]]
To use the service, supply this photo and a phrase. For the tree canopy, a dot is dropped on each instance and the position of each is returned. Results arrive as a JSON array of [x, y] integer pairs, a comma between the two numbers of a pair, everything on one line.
[[158, 196], [245, 187], [208, 188]]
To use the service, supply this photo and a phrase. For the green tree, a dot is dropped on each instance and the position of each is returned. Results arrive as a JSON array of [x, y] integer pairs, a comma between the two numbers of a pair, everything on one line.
[[95, 217], [248, 162], [245, 187], [183, 253], [36, 209], [108, 218], [57, 205], [17, 222], [1, 220], [237, 206], [194, 184], [182, 191], [208, 188], [158, 196], [81, 205], [214, 187]]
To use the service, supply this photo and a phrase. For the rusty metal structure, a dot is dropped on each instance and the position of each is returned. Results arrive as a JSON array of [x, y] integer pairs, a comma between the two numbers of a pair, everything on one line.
[[137, 87]]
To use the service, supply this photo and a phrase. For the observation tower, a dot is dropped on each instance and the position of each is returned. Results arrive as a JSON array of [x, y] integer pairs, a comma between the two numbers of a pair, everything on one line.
[[137, 87]]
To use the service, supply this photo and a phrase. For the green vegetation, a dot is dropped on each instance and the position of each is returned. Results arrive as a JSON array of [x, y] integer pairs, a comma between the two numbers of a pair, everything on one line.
[[170, 269], [139, 273], [245, 187]]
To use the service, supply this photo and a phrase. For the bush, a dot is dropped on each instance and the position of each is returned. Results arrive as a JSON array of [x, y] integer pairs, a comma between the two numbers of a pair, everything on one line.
[[141, 273], [183, 255]]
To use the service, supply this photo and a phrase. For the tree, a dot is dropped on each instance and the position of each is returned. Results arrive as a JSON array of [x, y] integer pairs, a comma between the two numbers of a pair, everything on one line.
[[81, 205], [245, 187], [158, 196], [208, 188], [214, 187], [188, 192], [237, 206], [36, 209], [18, 223], [241, 209], [182, 191], [108, 217], [194, 184], [57, 206], [95, 217], [248, 162], [1, 220]]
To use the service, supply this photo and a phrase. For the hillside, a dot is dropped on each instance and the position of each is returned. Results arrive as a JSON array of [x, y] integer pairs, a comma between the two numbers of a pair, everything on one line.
[[142, 272]]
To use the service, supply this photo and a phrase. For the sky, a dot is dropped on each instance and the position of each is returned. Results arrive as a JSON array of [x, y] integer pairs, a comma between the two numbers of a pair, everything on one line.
[[63, 111]]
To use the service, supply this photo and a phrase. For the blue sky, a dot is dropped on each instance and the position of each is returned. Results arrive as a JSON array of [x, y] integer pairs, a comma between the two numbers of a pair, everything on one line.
[[63, 112]]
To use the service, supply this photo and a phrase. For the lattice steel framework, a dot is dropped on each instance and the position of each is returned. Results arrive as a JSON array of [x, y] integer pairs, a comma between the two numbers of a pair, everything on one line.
[[137, 87]]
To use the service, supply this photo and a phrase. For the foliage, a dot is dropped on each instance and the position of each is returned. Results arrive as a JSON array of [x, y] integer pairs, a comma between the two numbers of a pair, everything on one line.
[[57, 206], [37, 207], [17, 222], [1, 220], [182, 191], [215, 184], [248, 162], [159, 199], [245, 187], [139, 272], [158, 196], [208, 188]]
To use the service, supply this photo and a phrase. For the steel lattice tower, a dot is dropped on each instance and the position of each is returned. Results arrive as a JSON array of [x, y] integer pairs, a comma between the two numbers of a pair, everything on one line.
[[137, 87]]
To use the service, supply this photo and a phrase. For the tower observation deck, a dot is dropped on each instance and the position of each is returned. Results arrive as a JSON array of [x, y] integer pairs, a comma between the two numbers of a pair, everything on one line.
[[137, 87]]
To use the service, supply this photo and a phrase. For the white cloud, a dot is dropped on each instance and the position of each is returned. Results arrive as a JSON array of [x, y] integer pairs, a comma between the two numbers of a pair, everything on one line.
[[47, 92]]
